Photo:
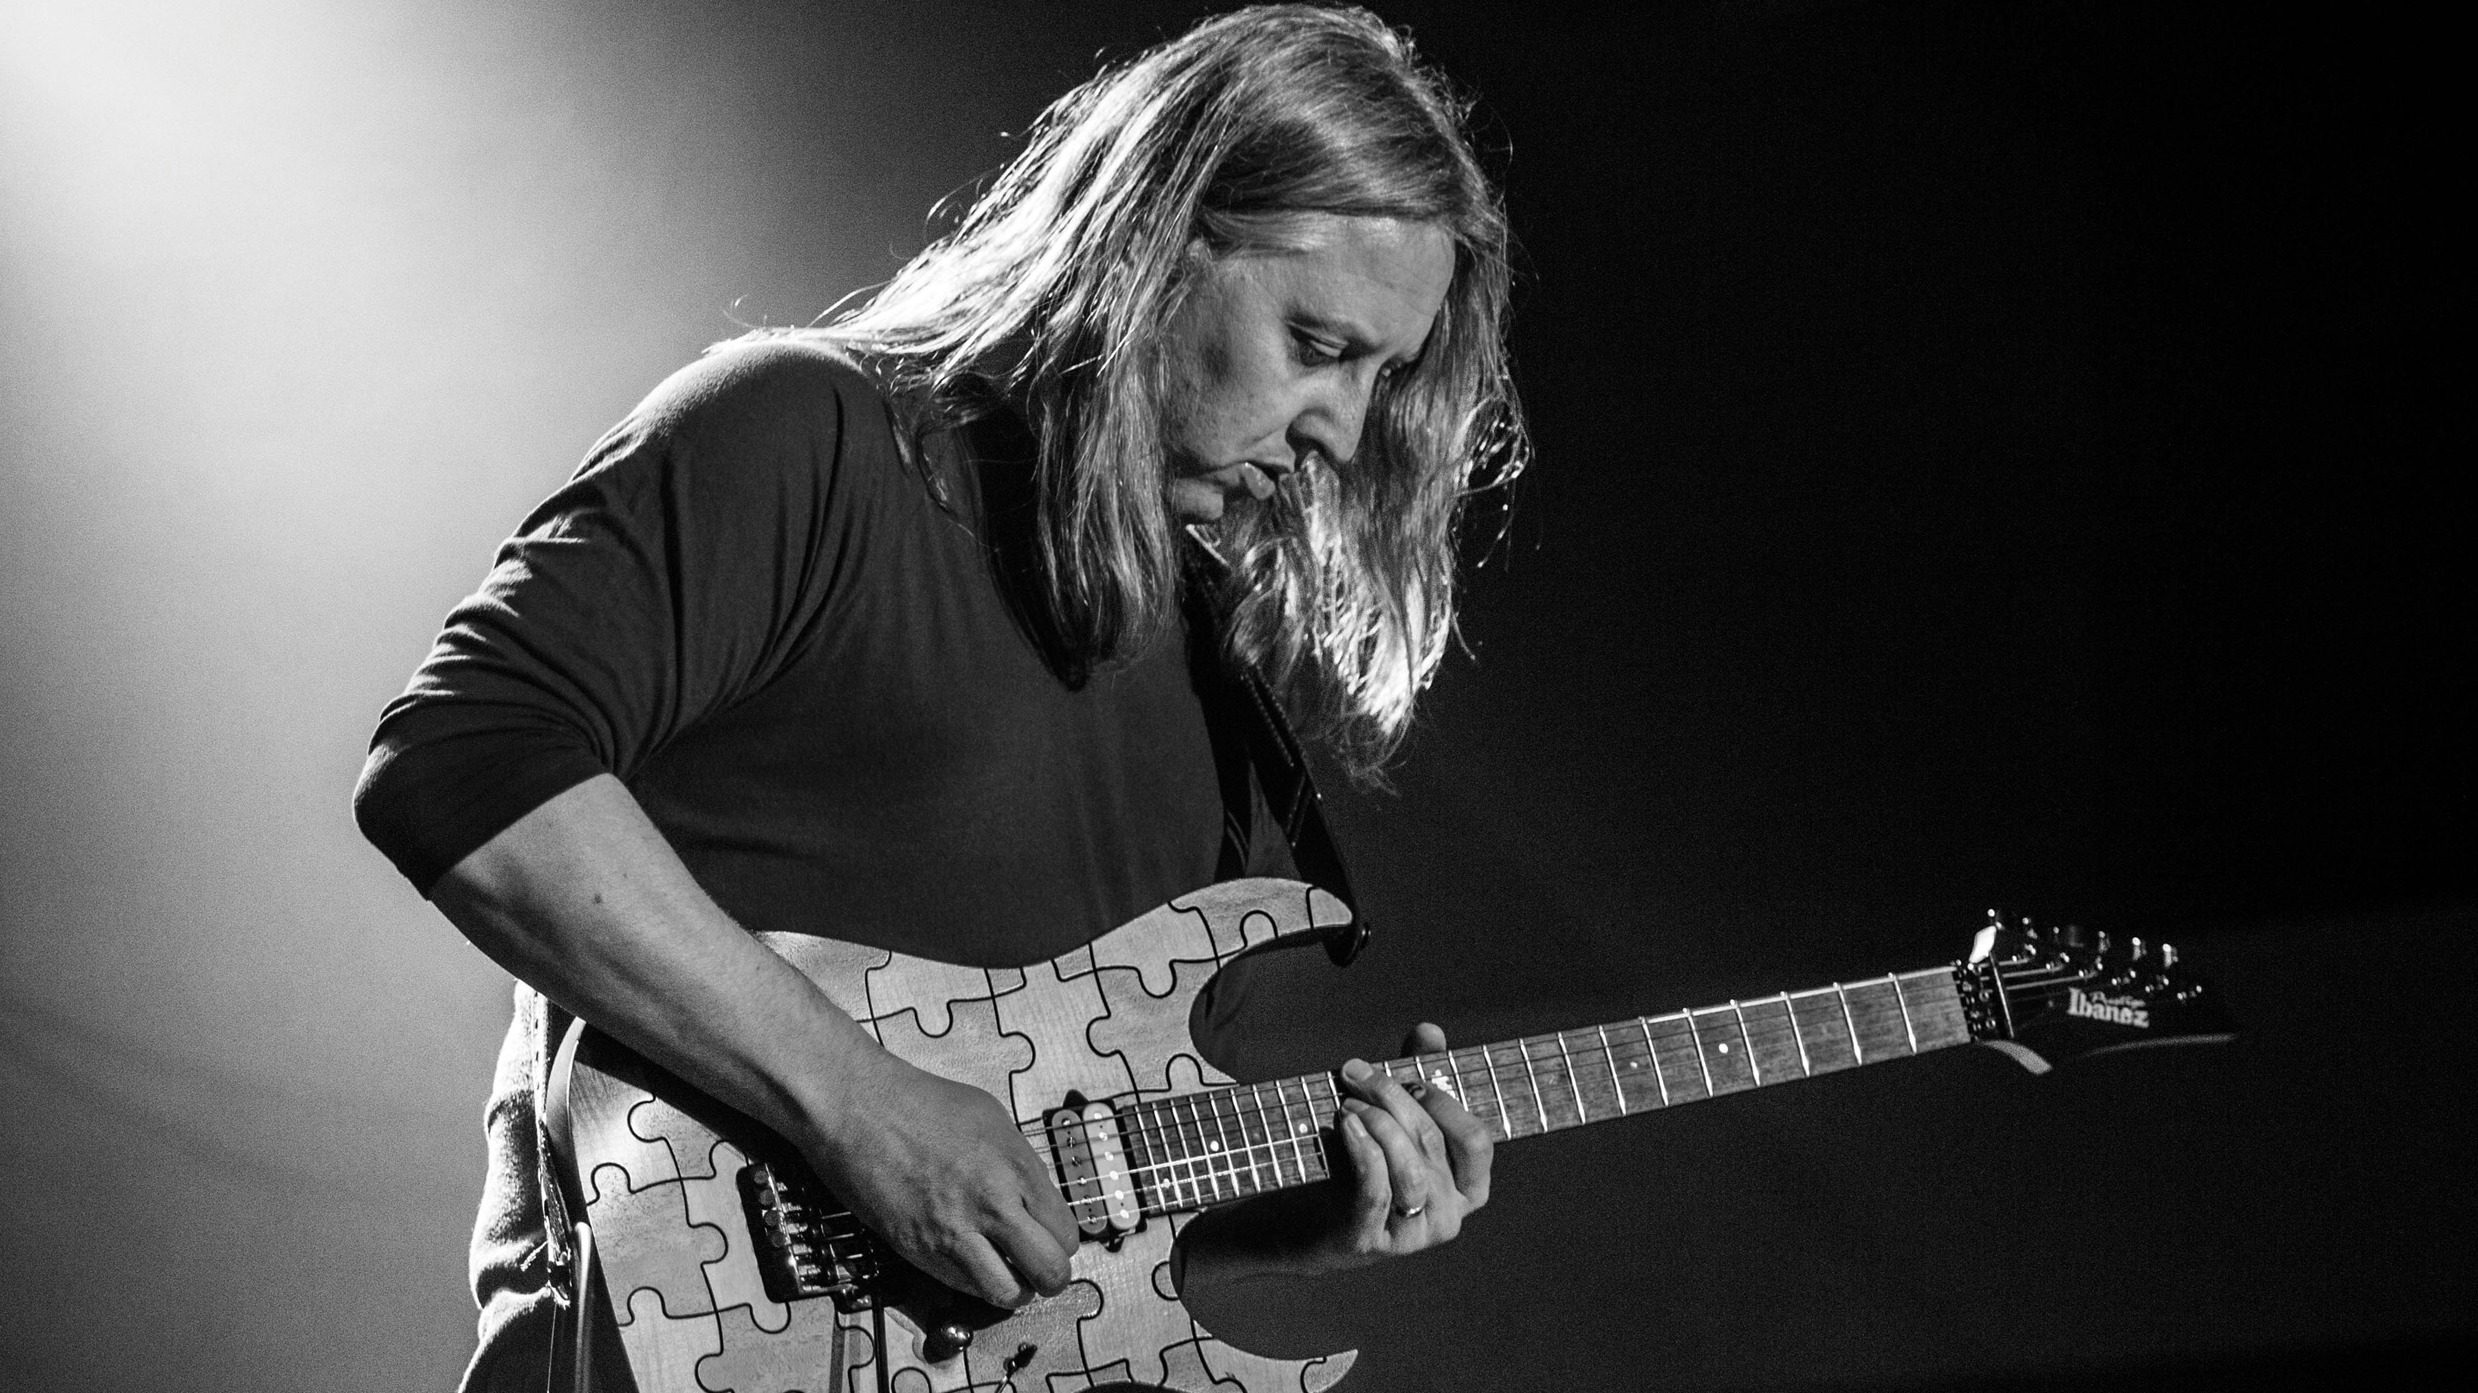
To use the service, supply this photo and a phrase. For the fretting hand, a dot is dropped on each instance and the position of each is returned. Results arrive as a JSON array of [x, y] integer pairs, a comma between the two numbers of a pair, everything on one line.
[[1418, 1162], [1411, 1165]]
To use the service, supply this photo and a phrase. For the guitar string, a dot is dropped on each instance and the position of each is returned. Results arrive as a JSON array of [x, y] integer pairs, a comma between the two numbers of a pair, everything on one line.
[[1219, 1166], [1236, 1167], [1155, 1119], [1766, 1019]]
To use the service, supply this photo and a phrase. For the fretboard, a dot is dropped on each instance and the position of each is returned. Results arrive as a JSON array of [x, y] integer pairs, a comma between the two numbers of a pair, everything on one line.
[[1199, 1149]]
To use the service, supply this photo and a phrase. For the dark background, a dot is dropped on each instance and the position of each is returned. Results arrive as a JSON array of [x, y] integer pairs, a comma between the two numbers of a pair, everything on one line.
[[1989, 455]]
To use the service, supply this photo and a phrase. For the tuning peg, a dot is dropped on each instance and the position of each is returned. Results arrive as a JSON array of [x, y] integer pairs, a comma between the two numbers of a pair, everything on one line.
[[2134, 949], [2074, 936], [2168, 955]]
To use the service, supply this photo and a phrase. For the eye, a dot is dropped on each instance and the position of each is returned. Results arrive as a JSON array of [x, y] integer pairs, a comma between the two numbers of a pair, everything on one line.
[[1314, 352]]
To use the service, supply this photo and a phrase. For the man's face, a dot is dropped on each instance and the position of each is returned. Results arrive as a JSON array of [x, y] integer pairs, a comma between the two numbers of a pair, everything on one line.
[[1274, 356]]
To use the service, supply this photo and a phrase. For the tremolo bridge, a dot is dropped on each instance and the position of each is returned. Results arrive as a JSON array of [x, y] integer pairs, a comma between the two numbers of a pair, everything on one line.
[[810, 1245]]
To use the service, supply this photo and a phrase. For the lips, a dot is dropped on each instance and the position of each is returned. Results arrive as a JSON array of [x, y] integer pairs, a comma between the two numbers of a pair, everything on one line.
[[1260, 478]]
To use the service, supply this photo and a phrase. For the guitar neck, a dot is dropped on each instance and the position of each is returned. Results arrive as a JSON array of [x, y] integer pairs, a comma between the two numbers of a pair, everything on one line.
[[1193, 1150]]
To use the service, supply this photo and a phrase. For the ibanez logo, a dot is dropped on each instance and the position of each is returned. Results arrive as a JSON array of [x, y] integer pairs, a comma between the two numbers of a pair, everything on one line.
[[2116, 1010]]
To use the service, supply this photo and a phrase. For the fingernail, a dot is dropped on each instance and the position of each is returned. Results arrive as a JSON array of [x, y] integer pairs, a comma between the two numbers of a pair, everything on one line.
[[1415, 1088], [1355, 1070], [1357, 1128]]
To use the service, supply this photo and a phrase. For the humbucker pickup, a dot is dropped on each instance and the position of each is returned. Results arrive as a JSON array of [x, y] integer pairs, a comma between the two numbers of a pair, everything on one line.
[[1092, 1167]]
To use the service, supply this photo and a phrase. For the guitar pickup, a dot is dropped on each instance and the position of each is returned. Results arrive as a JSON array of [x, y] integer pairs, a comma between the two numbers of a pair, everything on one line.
[[1092, 1169]]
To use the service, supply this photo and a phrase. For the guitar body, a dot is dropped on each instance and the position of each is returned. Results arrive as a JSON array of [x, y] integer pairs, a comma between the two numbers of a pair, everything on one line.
[[656, 1169]]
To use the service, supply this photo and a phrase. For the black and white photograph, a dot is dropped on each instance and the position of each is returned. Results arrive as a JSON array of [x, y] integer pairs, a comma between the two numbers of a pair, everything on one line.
[[940, 696]]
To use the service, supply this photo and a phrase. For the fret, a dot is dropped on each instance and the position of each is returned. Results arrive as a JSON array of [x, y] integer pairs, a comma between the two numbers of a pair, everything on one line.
[[1805, 1070], [1726, 1068], [1857, 1055], [1651, 1060], [1755, 1066], [1194, 1150], [1497, 1095], [1202, 1149], [1327, 1110], [1608, 1056], [1540, 1109], [1184, 1186], [1168, 1165], [1138, 1144], [1233, 1133], [1198, 1108], [1550, 1084], [1876, 1016], [1266, 1138], [1251, 1141], [1300, 1129], [1772, 1040], [1680, 1060], [1907, 1029], [1701, 1062], [1453, 1071], [1512, 1093], [1936, 1007], [1566, 1066], [1823, 1031]]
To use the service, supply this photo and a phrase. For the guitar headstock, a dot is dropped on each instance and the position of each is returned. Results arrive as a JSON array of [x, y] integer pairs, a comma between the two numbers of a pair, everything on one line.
[[2046, 994]]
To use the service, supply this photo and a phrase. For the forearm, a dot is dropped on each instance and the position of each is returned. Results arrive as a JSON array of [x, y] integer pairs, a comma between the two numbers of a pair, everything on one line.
[[584, 899]]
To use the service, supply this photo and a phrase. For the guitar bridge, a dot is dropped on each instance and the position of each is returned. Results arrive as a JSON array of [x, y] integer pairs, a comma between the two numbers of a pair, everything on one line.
[[807, 1246]]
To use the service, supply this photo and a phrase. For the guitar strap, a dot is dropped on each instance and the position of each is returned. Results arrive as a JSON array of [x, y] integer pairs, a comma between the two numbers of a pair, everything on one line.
[[1248, 731]]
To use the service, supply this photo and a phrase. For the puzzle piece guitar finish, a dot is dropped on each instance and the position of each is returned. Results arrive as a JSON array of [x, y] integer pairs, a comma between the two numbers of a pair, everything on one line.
[[654, 1166]]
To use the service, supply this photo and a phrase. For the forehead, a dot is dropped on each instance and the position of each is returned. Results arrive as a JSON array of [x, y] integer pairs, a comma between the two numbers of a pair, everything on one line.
[[1379, 278]]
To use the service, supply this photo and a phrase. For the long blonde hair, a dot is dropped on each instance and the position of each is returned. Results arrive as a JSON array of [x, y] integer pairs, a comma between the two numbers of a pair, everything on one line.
[[1050, 291]]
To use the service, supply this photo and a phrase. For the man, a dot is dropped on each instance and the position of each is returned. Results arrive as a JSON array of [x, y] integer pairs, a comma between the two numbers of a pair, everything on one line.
[[875, 631]]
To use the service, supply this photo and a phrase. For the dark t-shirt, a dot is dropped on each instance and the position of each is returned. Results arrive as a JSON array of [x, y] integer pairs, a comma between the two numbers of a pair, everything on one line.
[[803, 658]]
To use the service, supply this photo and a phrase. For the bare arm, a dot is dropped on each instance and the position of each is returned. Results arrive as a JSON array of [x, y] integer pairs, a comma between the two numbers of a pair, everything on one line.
[[584, 899]]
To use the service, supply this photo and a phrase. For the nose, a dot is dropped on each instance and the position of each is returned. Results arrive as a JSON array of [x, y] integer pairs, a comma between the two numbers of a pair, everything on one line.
[[1332, 421]]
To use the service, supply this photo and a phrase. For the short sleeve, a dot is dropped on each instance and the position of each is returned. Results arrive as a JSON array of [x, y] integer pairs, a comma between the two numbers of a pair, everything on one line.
[[677, 572]]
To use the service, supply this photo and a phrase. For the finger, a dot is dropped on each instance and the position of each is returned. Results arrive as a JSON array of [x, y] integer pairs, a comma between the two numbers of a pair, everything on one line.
[[1042, 1201], [1409, 1172], [1399, 1104], [1470, 1147], [1424, 1039], [1372, 1191], [986, 1274], [1036, 1254]]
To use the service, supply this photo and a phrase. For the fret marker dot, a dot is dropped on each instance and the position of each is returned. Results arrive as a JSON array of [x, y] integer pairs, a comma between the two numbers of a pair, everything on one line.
[[1216, 1146], [1725, 1047]]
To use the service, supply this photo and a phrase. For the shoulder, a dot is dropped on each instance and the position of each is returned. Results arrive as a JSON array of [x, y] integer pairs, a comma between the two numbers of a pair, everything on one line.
[[776, 387], [759, 419]]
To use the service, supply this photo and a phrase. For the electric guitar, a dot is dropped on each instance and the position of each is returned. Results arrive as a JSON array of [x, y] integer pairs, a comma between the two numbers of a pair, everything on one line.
[[729, 1269]]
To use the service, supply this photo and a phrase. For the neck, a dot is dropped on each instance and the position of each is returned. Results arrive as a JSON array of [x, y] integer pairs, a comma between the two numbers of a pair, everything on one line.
[[1199, 1149]]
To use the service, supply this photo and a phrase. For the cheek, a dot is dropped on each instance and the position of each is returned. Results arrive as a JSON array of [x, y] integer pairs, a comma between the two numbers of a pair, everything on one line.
[[1216, 403]]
